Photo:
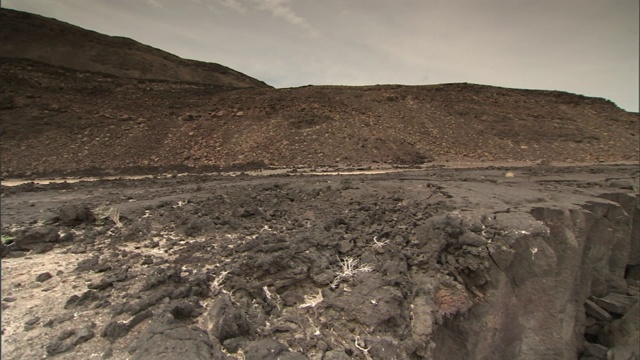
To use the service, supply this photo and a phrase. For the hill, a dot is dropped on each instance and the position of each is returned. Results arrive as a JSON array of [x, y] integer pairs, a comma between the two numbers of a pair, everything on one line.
[[60, 120], [28, 36]]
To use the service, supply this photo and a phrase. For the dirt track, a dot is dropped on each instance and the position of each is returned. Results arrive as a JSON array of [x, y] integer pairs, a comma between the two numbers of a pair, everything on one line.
[[381, 266]]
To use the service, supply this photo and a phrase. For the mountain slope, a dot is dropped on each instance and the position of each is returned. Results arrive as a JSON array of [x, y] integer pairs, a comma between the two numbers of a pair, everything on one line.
[[29, 36], [78, 102], [57, 121]]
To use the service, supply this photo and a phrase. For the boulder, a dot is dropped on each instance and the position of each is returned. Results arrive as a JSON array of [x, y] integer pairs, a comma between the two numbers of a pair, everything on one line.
[[39, 238], [226, 320]]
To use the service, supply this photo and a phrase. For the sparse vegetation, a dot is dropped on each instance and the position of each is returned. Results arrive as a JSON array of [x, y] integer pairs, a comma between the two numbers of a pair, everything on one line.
[[349, 267], [104, 213], [7, 239]]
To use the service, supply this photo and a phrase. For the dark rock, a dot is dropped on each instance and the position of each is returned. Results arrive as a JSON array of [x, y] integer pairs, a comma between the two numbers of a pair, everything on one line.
[[595, 350], [57, 347], [63, 318], [620, 184], [335, 355], [140, 317], [473, 239], [183, 310], [9, 299], [38, 239], [226, 320], [72, 215], [616, 303], [596, 311], [83, 335], [171, 341], [65, 334], [115, 330], [86, 298], [345, 245], [78, 249], [629, 352], [234, 344], [624, 331], [109, 279], [88, 264], [44, 277], [66, 237], [147, 302], [268, 349], [42, 248], [384, 348], [102, 267], [4, 250], [32, 321]]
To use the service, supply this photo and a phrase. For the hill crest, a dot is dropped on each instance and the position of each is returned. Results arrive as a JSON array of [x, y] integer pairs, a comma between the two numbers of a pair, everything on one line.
[[34, 37]]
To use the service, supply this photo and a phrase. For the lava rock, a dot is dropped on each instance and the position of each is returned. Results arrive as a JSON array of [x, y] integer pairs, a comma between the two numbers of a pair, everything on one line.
[[72, 215], [83, 335], [4, 250], [39, 239], [88, 264], [624, 331], [174, 341], [616, 303], [335, 355], [473, 239], [86, 298], [268, 349], [596, 311], [44, 277], [32, 321], [596, 350], [226, 320]]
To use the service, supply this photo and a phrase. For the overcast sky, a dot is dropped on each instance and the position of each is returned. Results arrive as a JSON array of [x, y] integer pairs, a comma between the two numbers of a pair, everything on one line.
[[588, 47]]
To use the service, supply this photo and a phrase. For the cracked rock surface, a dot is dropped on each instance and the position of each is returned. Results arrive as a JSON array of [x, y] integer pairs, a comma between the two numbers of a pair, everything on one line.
[[430, 264]]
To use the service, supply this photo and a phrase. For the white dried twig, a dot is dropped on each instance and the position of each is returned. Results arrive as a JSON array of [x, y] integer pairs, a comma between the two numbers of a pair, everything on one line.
[[349, 269], [379, 244], [114, 215], [180, 204], [216, 285], [364, 350], [312, 300], [275, 298]]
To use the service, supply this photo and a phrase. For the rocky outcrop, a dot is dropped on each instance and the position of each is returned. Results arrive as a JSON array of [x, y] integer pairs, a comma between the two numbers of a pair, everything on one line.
[[561, 288], [404, 266]]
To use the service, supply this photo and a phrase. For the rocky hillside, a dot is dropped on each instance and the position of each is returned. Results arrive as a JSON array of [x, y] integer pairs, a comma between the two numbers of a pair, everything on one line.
[[98, 114], [29, 36]]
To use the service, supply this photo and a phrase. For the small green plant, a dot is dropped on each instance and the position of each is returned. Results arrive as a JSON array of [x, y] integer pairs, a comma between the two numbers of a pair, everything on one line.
[[104, 212], [7, 239]]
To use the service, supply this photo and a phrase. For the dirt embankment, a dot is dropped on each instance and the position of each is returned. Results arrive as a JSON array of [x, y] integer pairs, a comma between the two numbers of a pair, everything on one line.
[[448, 263]]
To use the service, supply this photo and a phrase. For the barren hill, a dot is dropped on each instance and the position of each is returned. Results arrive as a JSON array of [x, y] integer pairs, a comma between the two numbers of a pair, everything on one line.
[[29, 36], [68, 120]]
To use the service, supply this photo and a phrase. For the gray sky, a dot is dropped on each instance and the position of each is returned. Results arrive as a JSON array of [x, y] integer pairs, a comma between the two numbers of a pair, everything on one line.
[[588, 47]]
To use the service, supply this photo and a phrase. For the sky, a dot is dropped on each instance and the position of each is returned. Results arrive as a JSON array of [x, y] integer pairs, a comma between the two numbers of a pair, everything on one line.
[[589, 47]]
